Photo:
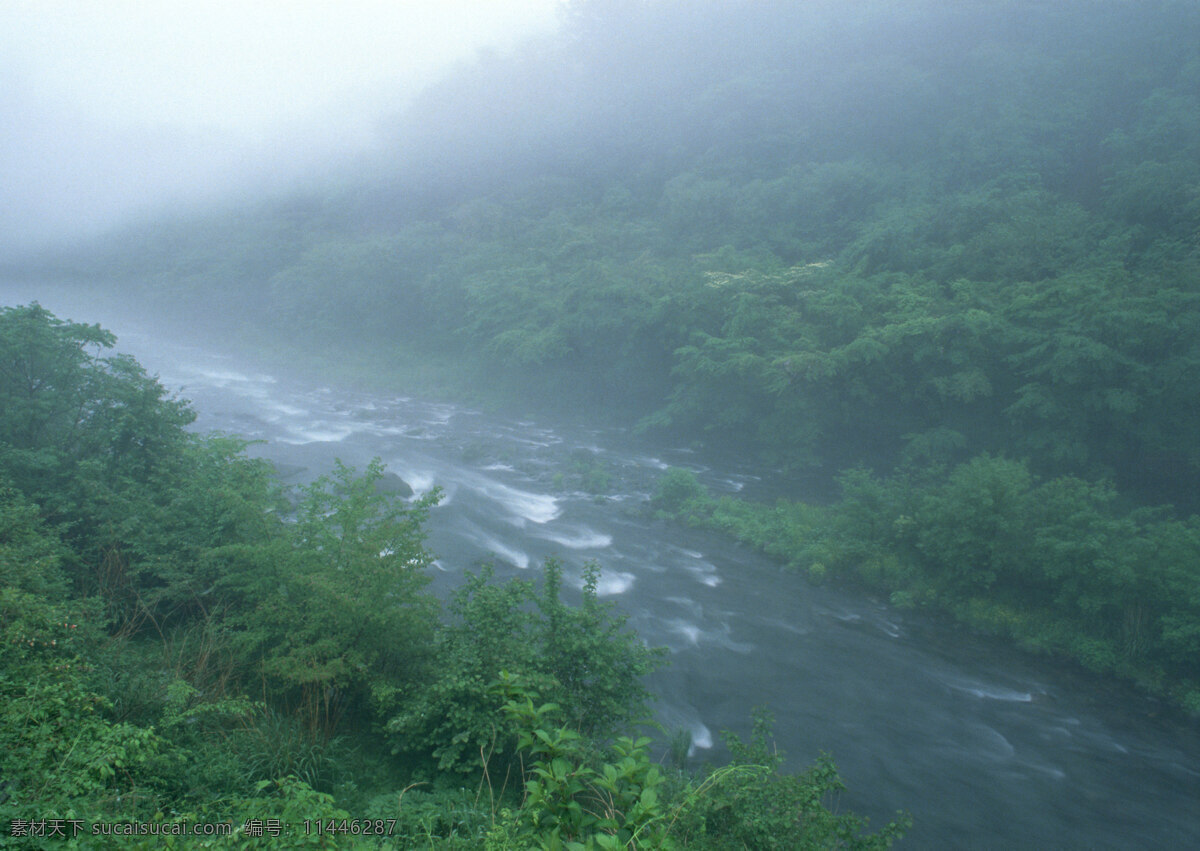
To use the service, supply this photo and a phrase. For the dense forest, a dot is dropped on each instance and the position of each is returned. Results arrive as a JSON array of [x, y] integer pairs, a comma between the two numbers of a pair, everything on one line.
[[938, 265], [980, 220]]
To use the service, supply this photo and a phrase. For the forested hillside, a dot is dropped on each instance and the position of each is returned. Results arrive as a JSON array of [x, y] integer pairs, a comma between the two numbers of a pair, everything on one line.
[[917, 231], [956, 241]]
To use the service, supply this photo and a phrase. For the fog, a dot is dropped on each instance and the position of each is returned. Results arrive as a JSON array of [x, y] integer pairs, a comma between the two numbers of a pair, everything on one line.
[[120, 108], [126, 109]]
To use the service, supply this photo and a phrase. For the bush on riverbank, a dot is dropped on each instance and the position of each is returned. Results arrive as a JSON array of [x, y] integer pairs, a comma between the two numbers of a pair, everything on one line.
[[1057, 565]]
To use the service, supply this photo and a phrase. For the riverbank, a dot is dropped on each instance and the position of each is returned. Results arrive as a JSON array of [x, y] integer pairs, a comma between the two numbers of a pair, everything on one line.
[[1052, 566]]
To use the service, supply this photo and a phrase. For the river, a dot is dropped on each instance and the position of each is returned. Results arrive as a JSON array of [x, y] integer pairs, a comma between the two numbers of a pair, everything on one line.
[[985, 746]]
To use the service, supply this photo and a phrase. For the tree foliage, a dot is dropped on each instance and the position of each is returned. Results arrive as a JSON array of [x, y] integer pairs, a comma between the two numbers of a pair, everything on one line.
[[579, 657]]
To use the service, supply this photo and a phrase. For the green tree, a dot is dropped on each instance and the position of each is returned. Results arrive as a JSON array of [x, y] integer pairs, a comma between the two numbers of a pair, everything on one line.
[[334, 615], [580, 657]]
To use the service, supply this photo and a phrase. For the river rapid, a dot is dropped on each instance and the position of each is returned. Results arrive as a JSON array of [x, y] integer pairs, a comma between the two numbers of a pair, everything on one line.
[[985, 746]]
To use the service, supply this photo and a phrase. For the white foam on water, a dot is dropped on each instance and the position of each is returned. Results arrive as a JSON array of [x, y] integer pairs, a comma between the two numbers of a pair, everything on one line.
[[983, 691], [321, 433], [613, 582], [787, 626], [688, 630], [225, 377], [419, 480], [420, 435], [375, 428], [995, 744], [1053, 771], [705, 573], [287, 410], [843, 616], [726, 641], [514, 557], [701, 737], [890, 628], [1004, 694], [1104, 740], [585, 540], [422, 482], [506, 468], [549, 438], [536, 507], [1179, 766]]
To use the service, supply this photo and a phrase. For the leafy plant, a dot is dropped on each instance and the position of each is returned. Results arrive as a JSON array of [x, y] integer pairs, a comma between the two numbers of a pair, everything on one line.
[[581, 656], [753, 804]]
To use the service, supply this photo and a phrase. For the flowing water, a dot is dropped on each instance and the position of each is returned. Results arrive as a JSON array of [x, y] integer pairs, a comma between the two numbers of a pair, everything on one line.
[[985, 746]]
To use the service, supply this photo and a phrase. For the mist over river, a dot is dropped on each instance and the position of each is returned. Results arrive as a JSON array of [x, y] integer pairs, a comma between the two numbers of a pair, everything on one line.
[[985, 746]]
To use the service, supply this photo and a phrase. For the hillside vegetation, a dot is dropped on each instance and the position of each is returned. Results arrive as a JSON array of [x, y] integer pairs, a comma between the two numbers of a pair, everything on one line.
[[955, 244]]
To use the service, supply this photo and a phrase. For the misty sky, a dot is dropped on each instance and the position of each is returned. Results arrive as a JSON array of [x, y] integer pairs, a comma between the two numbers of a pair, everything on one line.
[[113, 107]]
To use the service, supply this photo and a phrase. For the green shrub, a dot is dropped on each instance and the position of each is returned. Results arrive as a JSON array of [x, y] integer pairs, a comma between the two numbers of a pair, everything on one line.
[[579, 656], [677, 491]]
